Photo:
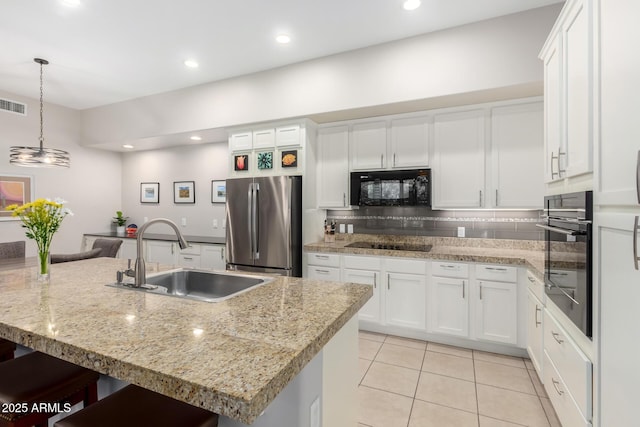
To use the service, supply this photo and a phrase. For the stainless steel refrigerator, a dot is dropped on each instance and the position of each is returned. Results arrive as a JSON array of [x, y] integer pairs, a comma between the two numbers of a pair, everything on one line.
[[264, 224]]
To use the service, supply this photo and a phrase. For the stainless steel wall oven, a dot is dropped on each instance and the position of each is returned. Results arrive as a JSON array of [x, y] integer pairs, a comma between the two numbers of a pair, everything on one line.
[[568, 255]]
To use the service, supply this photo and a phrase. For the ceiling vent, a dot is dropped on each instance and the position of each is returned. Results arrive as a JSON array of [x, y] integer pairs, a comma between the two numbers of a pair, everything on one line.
[[13, 107]]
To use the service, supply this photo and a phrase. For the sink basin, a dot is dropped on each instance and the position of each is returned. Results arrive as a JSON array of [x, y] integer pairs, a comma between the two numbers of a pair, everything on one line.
[[201, 285]]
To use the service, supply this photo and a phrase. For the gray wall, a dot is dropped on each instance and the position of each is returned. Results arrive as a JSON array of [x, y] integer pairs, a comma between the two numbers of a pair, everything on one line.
[[91, 186]]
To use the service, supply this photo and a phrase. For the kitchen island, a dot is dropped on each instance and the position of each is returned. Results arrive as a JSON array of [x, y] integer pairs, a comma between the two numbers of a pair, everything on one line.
[[233, 357]]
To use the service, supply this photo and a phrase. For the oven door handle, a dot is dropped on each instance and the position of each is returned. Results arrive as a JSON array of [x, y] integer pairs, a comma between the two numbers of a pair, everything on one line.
[[560, 230]]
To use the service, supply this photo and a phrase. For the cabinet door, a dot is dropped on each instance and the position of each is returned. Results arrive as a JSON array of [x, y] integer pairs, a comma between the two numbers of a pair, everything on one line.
[[619, 293], [213, 257], [189, 260], [160, 251], [241, 141], [264, 138], [449, 306], [369, 146], [577, 85], [288, 136], [406, 300], [517, 134], [87, 242], [496, 312], [553, 110], [128, 249], [619, 105], [333, 167], [535, 331], [409, 143], [458, 164], [371, 310]]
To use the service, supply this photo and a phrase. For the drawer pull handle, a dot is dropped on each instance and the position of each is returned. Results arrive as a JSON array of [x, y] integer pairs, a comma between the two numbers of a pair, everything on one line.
[[322, 256], [323, 271], [480, 290], [388, 281], [556, 383], [448, 267], [555, 336], [375, 280], [463, 289], [496, 269], [538, 310], [188, 258]]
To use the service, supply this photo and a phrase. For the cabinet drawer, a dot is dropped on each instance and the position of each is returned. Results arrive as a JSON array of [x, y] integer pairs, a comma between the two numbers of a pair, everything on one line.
[[323, 273], [362, 263], [450, 269], [192, 261], [536, 286], [570, 362], [496, 273], [406, 266], [561, 398], [327, 260]]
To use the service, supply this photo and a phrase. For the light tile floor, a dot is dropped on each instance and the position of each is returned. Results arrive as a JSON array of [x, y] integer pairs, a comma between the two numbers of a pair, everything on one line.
[[411, 383]]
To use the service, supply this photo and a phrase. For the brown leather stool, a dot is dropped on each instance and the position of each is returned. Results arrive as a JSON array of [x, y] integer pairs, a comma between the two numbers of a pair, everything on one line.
[[6, 350], [38, 378], [134, 406]]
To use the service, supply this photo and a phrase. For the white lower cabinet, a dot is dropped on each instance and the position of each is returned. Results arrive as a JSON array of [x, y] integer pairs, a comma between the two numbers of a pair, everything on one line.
[[213, 257], [535, 322], [366, 271], [449, 299], [160, 251], [406, 300], [496, 313]]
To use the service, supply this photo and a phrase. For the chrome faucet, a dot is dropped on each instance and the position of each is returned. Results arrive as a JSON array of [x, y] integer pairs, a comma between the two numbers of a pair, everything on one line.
[[140, 269]]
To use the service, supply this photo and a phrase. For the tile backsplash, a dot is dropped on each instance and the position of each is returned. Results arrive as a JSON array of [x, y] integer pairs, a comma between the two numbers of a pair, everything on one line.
[[420, 221]]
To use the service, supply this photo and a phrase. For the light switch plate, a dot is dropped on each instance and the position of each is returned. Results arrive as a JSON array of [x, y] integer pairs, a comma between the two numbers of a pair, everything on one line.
[[461, 231], [341, 228], [314, 413], [215, 223], [184, 222], [350, 228]]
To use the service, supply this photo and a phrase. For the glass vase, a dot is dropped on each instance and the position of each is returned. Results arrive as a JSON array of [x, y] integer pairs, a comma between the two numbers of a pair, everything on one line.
[[44, 266]]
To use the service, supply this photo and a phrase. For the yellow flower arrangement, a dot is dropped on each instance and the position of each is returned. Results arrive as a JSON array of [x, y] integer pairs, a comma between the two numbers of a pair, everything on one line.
[[41, 218]]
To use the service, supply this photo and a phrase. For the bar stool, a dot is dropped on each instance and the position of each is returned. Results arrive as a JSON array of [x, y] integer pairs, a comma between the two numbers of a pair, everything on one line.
[[6, 350], [37, 378], [134, 406]]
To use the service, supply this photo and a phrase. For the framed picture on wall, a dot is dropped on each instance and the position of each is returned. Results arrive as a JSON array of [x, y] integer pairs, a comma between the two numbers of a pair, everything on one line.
[[14, 190], [184, 192], [149, 192], [289, 159], [241, 162], [218, 191]]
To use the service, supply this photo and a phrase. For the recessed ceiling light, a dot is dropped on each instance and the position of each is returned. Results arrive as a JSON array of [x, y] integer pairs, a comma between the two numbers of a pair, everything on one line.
[[195, 138], [283, 38], [191, 63], [411, 4], [129, 146], [71, 3]]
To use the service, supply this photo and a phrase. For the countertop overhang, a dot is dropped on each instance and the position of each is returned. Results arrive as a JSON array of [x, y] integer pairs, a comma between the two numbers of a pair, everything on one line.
[[231, 357]]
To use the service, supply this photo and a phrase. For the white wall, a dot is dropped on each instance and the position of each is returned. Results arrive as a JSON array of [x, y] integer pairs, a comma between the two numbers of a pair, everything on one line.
[[485, 56], [199, 163], [91, 185]]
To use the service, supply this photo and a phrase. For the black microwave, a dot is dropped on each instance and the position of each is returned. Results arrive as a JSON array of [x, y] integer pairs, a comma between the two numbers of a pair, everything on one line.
[[391, 188]]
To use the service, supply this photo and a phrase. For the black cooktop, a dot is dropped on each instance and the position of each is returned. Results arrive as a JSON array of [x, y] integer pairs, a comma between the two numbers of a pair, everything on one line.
[[390, 246]]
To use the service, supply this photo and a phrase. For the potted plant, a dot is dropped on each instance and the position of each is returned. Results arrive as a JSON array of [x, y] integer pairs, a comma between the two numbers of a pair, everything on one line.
[[120, 221]]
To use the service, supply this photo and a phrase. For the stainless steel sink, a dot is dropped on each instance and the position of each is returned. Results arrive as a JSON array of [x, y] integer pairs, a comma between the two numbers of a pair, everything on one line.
[[201, 285]]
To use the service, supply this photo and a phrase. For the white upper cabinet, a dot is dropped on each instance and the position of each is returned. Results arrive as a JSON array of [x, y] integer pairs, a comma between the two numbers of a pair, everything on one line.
[[369, 146], [568, 93], [333, 167], [516, 150], [458, 160], [265, 138], [242, 141], [288, 136], [409, 143]]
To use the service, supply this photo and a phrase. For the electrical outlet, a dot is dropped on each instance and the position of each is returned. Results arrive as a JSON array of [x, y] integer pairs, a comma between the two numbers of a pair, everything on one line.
[[145, 219], [184, 222], [215, 223], [341, 228], [314, 413], [460, 231], [350, 228], [224, 223]]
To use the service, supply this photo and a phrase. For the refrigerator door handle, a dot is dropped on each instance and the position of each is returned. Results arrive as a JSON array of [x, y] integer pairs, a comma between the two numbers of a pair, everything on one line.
[[250, 218], [256, 219]]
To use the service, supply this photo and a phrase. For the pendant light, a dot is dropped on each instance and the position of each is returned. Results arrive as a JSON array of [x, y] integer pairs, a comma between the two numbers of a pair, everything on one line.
[[39, 157]]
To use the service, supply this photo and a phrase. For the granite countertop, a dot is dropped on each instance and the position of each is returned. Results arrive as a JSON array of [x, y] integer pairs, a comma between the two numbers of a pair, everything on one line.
[[169, 237], [526, 253], [231, 357]]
